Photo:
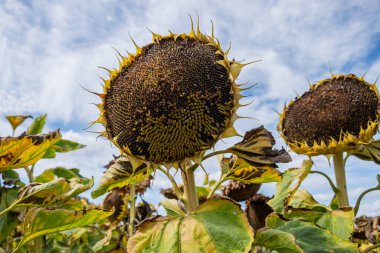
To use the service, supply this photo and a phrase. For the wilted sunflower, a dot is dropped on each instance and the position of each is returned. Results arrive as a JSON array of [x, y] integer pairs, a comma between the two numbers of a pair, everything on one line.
[[171, 100], [334, 116]]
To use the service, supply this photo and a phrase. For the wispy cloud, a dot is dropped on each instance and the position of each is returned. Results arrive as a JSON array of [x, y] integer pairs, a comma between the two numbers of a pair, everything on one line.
[[48, 49]]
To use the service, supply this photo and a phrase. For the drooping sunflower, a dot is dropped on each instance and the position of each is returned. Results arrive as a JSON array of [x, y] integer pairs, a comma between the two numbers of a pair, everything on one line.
[[334, 116], [171, 100]]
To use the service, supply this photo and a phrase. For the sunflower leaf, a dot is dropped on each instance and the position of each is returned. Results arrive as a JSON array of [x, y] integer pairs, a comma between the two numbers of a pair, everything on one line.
[[243, 170], [368, 152], [41, 221], [300, 236], [37, 125], [66, 146], [203, 230], [284, 191], [257, 148], [50, 194], [120, 174], [25, 150], [9, 221], [16, 120]]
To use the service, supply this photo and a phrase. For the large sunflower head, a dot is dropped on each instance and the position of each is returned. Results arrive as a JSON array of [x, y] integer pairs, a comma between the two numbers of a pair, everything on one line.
[[334, 116], [171, 100]]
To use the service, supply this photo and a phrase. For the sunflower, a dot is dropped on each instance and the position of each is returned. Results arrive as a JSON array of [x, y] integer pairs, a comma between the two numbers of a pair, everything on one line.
[[334, 116], [172, 100]]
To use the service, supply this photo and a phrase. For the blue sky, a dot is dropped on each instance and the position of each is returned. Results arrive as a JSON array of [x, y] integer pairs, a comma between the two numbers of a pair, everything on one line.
[[49, 48]]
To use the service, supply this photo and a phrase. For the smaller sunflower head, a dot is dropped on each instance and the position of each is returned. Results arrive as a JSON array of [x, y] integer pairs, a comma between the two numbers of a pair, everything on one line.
[[334, 116], [171, 100]]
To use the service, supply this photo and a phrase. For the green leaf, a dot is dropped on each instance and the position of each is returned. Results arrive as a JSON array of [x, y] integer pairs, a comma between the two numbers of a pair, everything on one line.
[[307, 236], [37, 125], [52, 193], [10, 177], [334, 204], [46, 176], [120, 174], [40, 221], [172, 208], [25, 150], [339, 222], [303, 199], [203, 230], [67, 173], [49, 174], [285, 190], [10, 220], [50, 153], [66, 146], [278, 240], [16, 120]]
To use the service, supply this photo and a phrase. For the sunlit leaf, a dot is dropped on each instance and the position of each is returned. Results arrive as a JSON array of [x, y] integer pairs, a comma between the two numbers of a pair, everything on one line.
[[52, 193], [203, 230], [254, 159], [307, 236], [285, 189], [303, 199], [257, 148], [16, 120], [67, 145], [37, 125], [40, 221], [121, 174], [50, 153], [282, 242], [17, 152], [339, 222], [242, 170], [172, 208], [50, 174]]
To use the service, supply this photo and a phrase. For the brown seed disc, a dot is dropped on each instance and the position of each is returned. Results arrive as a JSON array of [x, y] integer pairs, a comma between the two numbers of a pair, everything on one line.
[[340, 104], [173, 101]]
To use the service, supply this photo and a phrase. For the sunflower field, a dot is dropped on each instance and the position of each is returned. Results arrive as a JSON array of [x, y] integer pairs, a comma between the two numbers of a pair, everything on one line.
[[164, 108]]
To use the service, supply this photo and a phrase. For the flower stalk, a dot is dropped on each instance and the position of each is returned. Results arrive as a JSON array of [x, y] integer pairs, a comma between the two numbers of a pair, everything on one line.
[[190, 191], [340, 177], [132, 208]]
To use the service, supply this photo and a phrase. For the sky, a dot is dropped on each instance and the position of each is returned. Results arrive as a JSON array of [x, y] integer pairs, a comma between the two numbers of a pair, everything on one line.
[[49, 49]]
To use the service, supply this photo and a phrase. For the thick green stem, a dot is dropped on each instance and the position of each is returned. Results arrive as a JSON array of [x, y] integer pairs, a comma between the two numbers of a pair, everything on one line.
[[190, 191], [132, 209], [340, 177]]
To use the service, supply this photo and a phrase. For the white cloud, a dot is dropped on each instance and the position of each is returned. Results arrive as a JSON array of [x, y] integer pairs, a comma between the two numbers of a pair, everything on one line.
[[48, 50]]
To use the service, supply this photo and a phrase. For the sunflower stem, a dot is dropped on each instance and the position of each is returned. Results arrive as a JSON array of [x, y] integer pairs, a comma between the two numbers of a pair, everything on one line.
[[176, 189], [340, 177], [357, 205], [132, 209], [190, 191], [216, 186]]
